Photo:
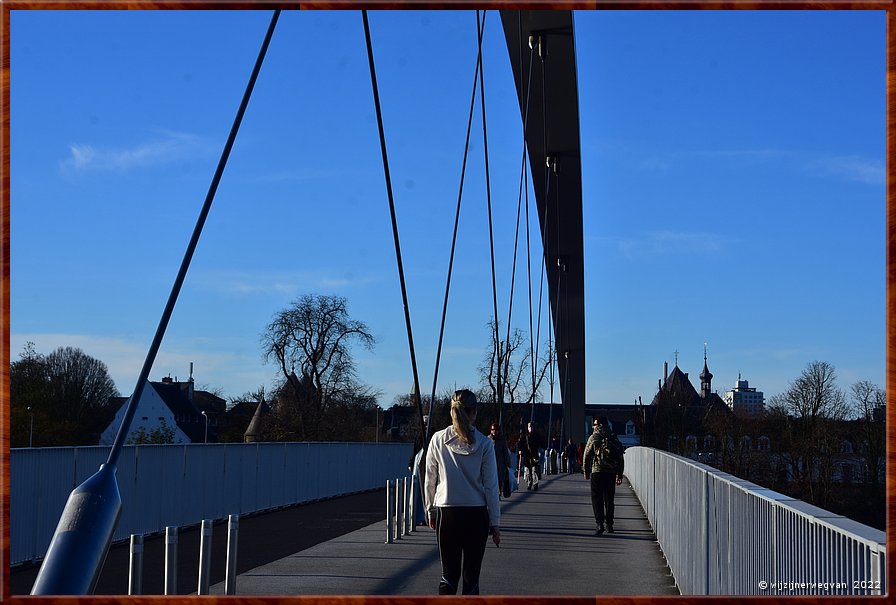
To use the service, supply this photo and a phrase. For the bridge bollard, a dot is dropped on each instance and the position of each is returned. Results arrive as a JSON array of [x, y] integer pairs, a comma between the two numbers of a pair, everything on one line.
[[170, 560], [135, 570], [410, 504], [233, 530], [205, 556], [405, 530], [397, 509], [388, 513], [413, 503]]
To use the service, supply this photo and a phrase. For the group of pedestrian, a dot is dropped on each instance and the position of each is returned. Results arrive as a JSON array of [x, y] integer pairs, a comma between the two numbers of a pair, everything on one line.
[[466, 473]]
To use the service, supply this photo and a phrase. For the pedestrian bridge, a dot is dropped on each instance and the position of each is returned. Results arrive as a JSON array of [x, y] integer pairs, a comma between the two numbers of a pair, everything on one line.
[[682, 527]]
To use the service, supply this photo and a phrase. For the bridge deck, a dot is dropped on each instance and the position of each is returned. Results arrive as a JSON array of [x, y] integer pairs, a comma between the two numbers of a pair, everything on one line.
[[548, 548]]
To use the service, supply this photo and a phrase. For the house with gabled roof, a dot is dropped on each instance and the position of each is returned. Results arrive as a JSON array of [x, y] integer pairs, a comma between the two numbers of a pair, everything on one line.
[[170, 405]]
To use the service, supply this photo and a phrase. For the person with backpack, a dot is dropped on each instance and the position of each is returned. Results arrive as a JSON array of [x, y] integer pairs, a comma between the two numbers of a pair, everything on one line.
[[603, 464]]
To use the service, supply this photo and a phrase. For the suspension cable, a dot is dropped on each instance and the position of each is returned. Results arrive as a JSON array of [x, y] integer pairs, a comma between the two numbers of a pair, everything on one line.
[[404, 293], [491, 238], [523, 188], [542, 53], [561, 268], [125, 427], [78, 548], [435, 378], [562, 276]]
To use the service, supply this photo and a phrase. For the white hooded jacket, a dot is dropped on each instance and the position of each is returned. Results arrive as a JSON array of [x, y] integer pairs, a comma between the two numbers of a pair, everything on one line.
[[458, 474]]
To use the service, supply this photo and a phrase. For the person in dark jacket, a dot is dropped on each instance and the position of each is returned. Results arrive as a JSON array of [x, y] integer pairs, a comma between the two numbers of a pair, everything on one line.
[[570, 453], [529, 450], [502, 459], [603, 465]]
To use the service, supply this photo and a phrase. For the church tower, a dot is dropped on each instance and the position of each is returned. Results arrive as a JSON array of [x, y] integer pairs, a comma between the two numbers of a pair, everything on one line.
[[705, 377]]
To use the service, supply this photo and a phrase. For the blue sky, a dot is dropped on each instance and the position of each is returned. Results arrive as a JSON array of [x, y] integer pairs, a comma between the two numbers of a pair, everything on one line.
[[733, 183]]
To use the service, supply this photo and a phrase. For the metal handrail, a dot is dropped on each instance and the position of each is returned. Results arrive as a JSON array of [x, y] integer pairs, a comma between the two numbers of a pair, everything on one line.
[[725, 535]]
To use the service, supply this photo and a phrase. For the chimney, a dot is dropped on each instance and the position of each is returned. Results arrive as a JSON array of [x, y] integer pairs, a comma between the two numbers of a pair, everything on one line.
[[167, 379], [665, 371], [190, 385]]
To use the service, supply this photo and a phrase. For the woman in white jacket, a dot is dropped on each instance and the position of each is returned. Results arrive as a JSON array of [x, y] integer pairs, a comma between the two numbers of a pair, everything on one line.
[[461, 491]]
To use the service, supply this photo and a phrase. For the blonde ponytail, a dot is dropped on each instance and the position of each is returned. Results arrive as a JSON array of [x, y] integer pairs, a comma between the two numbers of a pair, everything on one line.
[[462, 403]]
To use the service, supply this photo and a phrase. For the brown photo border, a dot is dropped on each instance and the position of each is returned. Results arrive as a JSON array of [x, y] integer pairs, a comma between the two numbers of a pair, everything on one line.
[[7, 5]]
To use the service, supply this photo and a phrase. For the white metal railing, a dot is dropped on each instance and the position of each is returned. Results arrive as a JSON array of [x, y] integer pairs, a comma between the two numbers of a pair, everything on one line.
[[726, 536], [174, 485]]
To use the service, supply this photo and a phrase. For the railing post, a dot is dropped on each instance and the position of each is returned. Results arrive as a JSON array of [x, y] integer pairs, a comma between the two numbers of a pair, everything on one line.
[[205, 556], [706, 557], [388, 514], [135, 570], [406, 525], [398, 519], [413, 503], [170, 560], [233, 530]]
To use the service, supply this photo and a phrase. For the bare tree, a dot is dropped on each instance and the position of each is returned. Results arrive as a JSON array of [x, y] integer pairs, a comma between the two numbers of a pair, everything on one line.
[[506, 370], [808, 421], [869, 403], [310, 343]]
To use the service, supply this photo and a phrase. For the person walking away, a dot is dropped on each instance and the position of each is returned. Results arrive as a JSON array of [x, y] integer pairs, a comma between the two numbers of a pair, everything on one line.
[[414, 467], [502, 459], [570, 453], [461, 496], [553, 455], [529, 458], [580, 454], [603, 465]]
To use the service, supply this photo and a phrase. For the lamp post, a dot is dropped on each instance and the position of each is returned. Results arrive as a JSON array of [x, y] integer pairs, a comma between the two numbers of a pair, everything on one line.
[[31, 430], [206, 425]]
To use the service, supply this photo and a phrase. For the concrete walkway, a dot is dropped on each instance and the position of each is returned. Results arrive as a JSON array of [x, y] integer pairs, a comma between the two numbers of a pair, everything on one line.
[[548, 548]]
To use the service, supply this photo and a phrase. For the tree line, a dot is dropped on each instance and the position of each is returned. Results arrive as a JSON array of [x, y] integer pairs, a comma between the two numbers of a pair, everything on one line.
[[63, 398], [68, 397]]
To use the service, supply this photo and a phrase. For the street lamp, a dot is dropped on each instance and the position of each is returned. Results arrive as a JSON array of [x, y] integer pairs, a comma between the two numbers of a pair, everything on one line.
[[31, 430], [206, 425]]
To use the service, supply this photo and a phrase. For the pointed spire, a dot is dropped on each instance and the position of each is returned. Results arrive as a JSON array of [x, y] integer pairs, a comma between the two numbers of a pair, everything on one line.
[[705, 376]]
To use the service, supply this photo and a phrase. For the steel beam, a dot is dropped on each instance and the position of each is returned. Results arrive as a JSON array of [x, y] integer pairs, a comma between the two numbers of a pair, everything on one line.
[[552, 131]]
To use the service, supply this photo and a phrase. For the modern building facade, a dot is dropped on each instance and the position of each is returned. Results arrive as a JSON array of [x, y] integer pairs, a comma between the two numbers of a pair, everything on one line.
[[744, 399]]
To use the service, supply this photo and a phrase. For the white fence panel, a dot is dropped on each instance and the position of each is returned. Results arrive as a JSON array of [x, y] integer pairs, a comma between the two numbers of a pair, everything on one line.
[[722, 535], [179, 485]]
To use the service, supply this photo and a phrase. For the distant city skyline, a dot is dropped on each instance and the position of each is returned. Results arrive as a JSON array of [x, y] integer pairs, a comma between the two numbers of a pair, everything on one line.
[[733, 191]]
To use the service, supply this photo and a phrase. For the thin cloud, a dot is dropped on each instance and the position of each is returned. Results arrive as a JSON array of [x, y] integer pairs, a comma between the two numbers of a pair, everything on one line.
[[169, 147], [853, 168], [665, 242], [665, 162], [280, 283]]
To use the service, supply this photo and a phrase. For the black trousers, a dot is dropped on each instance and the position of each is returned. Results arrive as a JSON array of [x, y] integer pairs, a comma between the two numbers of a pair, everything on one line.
[[504, 481], [462, 532], [603, 491]]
